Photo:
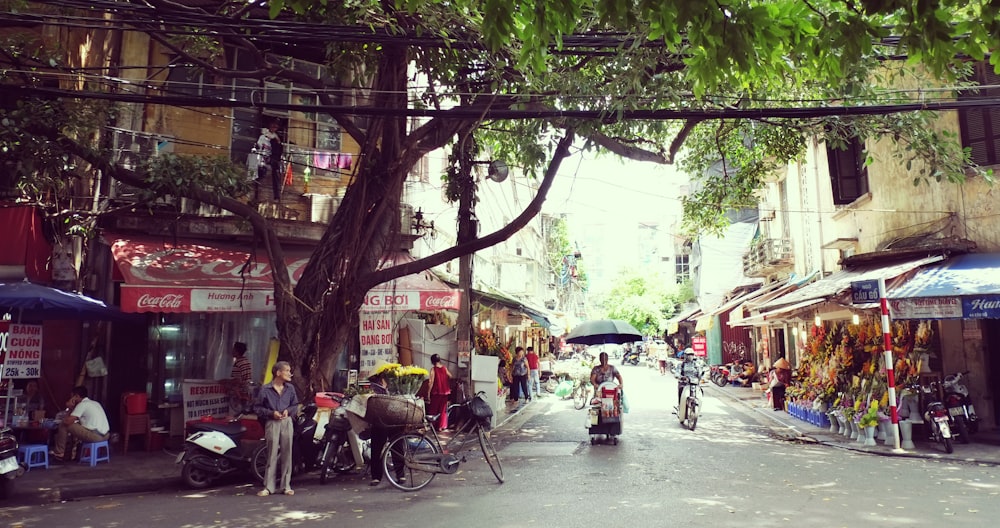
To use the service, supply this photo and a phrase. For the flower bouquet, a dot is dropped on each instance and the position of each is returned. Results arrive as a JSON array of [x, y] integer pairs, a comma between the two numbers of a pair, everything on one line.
[[406, 380]]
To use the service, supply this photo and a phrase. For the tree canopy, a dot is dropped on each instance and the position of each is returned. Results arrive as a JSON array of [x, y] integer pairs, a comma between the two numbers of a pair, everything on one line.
[[642, 299], [521, 79]]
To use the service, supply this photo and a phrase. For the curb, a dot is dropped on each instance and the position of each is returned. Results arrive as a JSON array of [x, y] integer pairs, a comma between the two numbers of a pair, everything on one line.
[[781, 431]]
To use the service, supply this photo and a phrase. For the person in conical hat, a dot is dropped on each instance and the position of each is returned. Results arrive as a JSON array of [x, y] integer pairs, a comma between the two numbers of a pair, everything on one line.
[[781, 376]]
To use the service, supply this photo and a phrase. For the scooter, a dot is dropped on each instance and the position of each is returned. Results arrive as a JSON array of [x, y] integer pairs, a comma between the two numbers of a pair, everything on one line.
[[10, 469], [939, 420], [631, 358], [213, 450], [956, 399]]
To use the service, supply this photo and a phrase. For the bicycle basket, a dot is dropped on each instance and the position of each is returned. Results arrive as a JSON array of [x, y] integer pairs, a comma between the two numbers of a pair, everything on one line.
[[481, 411], [394, 410]]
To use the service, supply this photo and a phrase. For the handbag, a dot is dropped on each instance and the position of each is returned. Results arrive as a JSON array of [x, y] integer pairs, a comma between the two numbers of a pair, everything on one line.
[[481, 410], [96, 367]]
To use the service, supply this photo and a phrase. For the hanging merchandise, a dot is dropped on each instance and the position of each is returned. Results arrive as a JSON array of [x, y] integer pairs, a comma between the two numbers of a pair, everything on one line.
[[289, 175]]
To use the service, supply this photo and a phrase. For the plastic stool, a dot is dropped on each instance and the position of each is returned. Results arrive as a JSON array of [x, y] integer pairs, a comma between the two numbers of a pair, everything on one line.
[[90, 453], [34, 455]]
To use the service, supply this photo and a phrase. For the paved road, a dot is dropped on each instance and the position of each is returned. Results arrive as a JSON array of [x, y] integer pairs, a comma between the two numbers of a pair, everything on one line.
[[730, 472]]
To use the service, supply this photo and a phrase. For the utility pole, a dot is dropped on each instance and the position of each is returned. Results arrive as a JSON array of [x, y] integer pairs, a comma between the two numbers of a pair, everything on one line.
[[466, 233]]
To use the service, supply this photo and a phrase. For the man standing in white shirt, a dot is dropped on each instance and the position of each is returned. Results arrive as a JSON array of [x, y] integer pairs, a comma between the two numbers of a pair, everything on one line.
[[85, 421]]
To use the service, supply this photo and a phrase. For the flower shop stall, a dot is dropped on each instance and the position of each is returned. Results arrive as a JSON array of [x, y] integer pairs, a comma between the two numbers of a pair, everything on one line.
[[842, 377]]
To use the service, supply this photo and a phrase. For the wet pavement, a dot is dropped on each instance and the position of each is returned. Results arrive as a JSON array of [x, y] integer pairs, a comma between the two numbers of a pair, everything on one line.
[[140, 471]]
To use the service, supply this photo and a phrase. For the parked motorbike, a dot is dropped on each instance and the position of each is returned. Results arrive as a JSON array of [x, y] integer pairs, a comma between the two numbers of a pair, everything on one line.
[[10, 469], [939, 422], [956, 399], [341, 449], [719, 374], [631, 357], [213, 450]]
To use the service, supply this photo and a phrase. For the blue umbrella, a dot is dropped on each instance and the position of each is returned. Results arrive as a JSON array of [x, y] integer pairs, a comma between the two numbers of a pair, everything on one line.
[[25, 300]]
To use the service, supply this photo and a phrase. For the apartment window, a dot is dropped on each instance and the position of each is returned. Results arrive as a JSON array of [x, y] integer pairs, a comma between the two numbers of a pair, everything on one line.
[[682, 268], [980, 127], [848, 173]]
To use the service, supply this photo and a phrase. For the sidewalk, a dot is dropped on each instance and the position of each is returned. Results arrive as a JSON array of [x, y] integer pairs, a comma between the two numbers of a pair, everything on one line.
[[984, 449], [136, 472]]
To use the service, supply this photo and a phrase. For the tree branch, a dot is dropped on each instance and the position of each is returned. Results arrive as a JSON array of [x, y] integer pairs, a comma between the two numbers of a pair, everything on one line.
[[530, 211]]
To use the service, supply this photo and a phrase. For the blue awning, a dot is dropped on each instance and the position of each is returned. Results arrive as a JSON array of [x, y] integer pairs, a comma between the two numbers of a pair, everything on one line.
[[963, 287]]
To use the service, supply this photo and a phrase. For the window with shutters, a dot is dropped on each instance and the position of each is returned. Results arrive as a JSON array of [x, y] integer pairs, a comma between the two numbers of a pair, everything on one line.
[[848, 173], [980, 127]]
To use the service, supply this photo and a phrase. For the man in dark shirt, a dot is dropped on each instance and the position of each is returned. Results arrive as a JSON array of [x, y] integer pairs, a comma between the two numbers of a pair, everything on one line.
[[278, 404]]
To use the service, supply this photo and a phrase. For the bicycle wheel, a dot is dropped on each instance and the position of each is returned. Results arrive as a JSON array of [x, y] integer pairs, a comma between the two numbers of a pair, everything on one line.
[[580, 396], [490, 452], [259, 462], [411, 447]]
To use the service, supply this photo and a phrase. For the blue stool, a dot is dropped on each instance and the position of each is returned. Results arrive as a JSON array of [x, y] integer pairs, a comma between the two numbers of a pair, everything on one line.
[[94, 452], [34, 455]]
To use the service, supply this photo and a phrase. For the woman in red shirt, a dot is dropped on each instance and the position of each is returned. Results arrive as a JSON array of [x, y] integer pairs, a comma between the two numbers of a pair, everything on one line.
[[440, 384]]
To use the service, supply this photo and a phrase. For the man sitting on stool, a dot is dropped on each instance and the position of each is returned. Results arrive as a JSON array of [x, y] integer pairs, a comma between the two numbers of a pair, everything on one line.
[[85, 421]]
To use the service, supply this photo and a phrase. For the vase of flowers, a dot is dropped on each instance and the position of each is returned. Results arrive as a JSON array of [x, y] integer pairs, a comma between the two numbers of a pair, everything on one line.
[[868, 422]]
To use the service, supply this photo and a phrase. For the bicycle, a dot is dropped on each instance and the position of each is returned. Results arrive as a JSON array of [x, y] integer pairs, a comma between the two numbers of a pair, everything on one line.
[[581, 391], [422, 455]]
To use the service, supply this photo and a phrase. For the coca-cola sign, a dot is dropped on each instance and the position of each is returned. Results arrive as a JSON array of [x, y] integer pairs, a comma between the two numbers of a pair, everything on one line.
[[156, 263], [170, 301], [440, 300]]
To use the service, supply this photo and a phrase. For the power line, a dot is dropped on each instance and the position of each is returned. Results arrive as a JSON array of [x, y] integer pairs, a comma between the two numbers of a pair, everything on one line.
[[486, 112]]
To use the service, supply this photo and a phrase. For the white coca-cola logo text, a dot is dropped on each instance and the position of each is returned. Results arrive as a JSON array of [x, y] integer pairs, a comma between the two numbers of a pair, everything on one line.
[[439, 301], [170, 300]]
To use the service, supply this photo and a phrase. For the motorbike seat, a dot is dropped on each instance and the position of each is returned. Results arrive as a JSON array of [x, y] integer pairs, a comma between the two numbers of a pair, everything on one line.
[[228, 428]]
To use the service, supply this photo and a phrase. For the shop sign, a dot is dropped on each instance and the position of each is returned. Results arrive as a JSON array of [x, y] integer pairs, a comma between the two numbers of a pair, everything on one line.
[[700, 345], [981, 307], [863, 292], [926, 308], [20, 350], [204, 398], [377, 340]]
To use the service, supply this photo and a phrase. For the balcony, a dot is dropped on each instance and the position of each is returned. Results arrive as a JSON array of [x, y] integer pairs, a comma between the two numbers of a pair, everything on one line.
[[767, 256]]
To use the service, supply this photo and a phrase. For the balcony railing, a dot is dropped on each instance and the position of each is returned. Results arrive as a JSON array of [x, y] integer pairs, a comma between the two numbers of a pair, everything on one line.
[[767, 256]]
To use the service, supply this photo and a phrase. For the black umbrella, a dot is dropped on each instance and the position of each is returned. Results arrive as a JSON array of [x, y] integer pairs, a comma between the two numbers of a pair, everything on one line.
[[602, 331], [25, 300]]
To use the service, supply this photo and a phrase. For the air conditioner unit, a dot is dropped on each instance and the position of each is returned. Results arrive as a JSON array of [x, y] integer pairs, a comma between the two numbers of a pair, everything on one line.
[[767, 212], [131, 148], [405, 218]]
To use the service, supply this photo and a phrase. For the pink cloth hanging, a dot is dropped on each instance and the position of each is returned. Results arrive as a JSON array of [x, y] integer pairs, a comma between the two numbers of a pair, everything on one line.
[[321, 160], [346, 160]]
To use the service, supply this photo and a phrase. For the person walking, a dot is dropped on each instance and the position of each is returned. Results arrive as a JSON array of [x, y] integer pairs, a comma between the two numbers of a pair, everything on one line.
[[519, 371], [534, 377], [440, 384], [278, 403]]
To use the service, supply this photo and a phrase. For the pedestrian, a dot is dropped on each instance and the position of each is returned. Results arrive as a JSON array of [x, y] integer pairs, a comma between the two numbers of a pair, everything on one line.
[[780, 377], [271, 149], [379, 435], [240, 378], [440, 385], [278, 403], [534, 374], [85, 421], [519, 371]]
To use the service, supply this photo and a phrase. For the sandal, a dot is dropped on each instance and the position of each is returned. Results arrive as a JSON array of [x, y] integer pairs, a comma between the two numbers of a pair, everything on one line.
[[375, 482], [289, 492], [263, 493]]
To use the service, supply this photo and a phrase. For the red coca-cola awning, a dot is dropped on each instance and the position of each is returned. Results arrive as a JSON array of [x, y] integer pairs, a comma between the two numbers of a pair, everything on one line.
[[171, 276]]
